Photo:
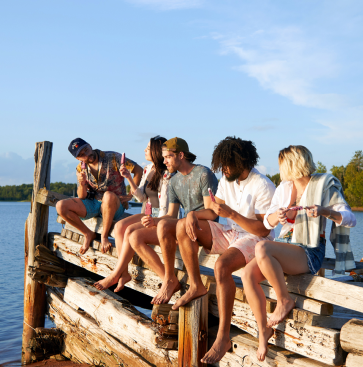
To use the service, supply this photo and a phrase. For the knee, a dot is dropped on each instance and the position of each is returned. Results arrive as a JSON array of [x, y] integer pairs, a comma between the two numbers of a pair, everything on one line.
[[221, 268], [61, 207], [163, 228], [109, 197], [247, 275], [181, 228], [134, 240], [261, 249]]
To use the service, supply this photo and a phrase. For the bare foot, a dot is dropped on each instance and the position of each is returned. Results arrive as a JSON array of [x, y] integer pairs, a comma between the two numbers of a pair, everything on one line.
[[263, 341], [87, 242], [105, 245], [167, 290], [192, 293], [107, 282], [218, 350], [284, 306], [125, 278]]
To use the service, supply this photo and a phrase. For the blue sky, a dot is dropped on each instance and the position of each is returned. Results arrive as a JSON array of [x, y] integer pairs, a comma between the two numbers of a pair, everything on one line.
[[119, 72]]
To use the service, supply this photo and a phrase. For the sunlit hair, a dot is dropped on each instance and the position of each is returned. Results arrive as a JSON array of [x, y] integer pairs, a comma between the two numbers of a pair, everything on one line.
[[295, 162], [158, 160]]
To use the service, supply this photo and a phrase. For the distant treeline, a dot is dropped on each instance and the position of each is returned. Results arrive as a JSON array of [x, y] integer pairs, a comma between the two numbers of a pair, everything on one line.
[[24, 192], [350, 176]]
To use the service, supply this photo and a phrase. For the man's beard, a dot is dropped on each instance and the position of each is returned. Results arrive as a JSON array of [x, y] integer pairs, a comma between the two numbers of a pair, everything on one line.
[[233, 176]]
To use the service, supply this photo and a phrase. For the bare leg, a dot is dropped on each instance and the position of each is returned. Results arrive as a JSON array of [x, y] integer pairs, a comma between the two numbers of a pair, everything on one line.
[[251, 278], [120, 273], [110, 205], [71, 210], [230, 261], [274, 259], [166, 231], [140, 241], [189, 251]]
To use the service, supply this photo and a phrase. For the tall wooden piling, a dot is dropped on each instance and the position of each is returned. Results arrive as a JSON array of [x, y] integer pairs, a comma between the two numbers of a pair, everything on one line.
[[36, 230], [193, 332]]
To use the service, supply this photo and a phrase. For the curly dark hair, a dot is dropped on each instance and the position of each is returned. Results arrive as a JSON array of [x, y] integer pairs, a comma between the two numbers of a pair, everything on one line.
[[158, 160], [234, 152]]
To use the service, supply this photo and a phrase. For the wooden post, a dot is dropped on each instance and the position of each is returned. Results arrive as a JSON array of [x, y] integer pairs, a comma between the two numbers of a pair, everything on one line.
[[36, 230], [193, 332]]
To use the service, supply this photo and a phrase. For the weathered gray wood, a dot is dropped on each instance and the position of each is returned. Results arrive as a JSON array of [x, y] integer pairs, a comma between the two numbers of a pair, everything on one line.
[[49, 198], [36, 233], [193, 332], [314, 342], [354, 360], [117, 317], [244, 349], [351, 337], [86, 342]]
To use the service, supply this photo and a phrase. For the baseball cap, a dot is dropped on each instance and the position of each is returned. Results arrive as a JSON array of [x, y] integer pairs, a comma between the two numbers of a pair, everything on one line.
[[176, 145], [76, 145]]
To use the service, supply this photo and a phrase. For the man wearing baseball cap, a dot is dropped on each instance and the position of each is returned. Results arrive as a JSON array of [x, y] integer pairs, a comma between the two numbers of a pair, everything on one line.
[[101, 190], [188, 189]]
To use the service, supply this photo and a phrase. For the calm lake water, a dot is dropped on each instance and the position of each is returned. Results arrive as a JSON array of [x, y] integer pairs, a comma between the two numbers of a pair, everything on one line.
[[12, 219]]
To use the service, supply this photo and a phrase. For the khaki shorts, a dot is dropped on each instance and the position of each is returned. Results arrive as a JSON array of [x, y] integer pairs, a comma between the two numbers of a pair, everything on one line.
[[224, 240]]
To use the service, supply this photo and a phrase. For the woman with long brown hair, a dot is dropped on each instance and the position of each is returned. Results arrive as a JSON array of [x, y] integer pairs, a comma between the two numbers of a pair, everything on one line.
[[153, 189]]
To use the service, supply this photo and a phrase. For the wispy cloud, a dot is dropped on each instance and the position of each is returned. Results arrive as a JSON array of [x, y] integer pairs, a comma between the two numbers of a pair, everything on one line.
[[169, 4], [285, 61]]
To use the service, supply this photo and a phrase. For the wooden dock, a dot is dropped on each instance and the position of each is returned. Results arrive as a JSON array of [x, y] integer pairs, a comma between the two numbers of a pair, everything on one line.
[[104, 329]]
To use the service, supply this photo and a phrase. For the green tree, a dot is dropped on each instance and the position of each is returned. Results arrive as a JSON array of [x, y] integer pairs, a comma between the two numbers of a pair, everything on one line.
[[275, 179], [339, 173], [320, 168], [353, 180]]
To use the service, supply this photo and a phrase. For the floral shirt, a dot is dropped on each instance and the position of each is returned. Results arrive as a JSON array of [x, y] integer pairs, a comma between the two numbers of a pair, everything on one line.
[[163, 192], [108, 177]]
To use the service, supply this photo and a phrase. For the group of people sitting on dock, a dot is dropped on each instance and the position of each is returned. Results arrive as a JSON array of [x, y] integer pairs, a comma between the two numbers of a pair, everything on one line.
[[248, 200]]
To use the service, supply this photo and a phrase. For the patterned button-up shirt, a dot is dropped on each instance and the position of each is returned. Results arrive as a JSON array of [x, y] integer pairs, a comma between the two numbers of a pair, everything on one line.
[[108, 176]]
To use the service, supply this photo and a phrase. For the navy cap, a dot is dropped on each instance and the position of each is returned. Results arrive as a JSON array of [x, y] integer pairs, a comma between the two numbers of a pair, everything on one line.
[[76, 145]]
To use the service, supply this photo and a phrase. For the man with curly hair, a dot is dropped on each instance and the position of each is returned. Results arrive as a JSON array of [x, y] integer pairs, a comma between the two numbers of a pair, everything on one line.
[[243, 197]]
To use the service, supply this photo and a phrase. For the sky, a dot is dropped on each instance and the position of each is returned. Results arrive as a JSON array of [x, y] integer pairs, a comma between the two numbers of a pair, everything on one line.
[[119, 72]]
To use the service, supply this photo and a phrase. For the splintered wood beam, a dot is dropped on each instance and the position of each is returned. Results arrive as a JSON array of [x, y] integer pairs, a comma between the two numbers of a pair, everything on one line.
[[193, 332], [49, 198], [326, 290], [118, 317], [86, 342], [313, 342], [244, 352]]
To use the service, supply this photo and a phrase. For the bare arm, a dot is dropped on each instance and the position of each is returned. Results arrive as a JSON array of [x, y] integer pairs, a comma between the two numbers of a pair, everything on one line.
[[82, 187], [253, 226], [172, 213], [137, 171]]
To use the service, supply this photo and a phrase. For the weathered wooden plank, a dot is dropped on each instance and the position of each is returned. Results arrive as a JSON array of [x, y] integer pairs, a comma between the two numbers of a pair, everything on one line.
[[351, 336], [326, 290], [314, 342], [354, 360], [117, 317], [244, 349], [193, 332], [49, 198], [86, 342], [35, 234]]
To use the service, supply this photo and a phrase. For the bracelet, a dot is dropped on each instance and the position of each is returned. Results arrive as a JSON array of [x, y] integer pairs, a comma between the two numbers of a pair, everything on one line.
[[329, 216]]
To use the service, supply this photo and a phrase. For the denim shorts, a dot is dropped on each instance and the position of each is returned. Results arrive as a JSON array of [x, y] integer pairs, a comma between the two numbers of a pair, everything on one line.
[[93, 208], [315, 255], [155, 212]]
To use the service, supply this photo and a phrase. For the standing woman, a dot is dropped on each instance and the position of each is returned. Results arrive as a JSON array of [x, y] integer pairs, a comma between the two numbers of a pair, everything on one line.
[[154, 189], [302, 204]]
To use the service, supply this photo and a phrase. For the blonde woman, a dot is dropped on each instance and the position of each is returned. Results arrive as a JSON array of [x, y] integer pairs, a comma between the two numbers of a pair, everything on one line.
[[302, 204]]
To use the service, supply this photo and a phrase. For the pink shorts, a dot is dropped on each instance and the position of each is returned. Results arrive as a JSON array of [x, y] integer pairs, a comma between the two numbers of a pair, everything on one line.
[[223, 240]]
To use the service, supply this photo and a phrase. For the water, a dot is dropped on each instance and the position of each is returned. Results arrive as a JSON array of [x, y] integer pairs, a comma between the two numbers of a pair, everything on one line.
[[12, 219]]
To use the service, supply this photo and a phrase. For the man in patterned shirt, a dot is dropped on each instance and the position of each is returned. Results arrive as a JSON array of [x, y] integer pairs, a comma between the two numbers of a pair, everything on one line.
[[101, 191]]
